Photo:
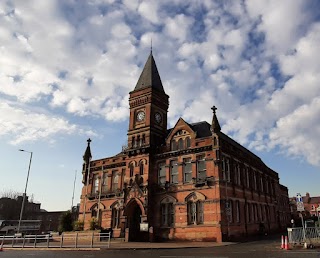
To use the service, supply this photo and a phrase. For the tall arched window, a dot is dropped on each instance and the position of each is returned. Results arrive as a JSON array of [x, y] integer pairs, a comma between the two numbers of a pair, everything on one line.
[[173, 145], [115, 215], [133, 142], [195, 210], [95, 186], [141, 168], [131, 169], [188, 142], [115, 180], [180, 144]]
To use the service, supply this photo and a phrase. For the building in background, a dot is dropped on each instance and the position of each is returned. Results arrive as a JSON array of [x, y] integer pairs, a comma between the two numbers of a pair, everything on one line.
[[189, 182], [33, 214], [311, 206]]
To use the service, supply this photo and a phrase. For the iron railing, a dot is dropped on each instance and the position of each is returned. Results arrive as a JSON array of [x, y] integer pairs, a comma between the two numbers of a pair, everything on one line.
[[65, 240], [299, 236]]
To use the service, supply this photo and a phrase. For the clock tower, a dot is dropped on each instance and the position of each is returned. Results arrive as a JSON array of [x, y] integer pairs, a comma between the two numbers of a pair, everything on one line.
[[148, 110]]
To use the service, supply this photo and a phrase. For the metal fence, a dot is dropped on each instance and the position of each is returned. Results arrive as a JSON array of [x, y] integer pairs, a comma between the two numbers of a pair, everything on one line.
[[69, 240], [299, 236]]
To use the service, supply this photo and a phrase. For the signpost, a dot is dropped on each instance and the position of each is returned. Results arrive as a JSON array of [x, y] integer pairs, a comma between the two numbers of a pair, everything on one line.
[[300, 207]]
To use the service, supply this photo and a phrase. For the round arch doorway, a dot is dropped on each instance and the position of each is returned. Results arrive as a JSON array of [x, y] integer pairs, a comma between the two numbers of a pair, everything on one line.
[[134, 214]]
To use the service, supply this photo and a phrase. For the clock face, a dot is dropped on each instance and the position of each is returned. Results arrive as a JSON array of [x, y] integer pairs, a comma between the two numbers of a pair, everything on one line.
[[158, 117], [140, 116]]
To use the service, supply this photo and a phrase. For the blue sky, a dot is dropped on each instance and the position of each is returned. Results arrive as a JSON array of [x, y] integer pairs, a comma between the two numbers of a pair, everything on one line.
[[67, 68]]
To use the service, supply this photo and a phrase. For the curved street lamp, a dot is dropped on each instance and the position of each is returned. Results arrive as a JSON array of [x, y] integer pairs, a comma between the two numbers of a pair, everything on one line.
[[25, 190]]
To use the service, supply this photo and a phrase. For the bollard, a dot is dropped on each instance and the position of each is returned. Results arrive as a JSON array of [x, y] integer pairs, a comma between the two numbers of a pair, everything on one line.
[[92, 236], [48, 240], [282, 242], [35, 241], [76, 242], [61, 242], [2, 242]]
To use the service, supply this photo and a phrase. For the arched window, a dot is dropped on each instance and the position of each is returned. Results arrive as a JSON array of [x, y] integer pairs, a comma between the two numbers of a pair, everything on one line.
[[105, 182], [138, 141], [94, 213], [167, 212], [195, 210], [133, 142], [131, 169], [141, 168], [173, 145], [95, 186], [180, 144], [115, 215], [188, 142], [115, 180]]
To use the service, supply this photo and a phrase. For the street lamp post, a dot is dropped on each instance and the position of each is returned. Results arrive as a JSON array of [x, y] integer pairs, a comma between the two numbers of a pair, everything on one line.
[[25, 190]]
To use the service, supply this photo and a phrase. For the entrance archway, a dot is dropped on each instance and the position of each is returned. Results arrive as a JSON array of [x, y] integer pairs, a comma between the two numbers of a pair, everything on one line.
[[134, 213]]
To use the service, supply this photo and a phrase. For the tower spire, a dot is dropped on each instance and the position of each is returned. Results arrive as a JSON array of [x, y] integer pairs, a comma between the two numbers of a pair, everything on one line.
[[215, 126], [150, 76], [86, 160]]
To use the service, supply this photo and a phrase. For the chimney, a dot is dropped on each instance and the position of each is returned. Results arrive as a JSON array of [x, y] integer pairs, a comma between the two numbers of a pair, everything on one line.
[[307, 195]]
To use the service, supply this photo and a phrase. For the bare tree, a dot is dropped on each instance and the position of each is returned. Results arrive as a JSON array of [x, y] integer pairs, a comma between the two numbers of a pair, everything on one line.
[[10, 194]]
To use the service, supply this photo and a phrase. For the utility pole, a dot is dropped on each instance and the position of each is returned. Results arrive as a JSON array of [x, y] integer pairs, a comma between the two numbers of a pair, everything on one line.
[[74, 184]]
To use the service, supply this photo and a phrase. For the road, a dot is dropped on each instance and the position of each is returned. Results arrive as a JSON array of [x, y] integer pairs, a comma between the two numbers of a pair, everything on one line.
[[257, 249]]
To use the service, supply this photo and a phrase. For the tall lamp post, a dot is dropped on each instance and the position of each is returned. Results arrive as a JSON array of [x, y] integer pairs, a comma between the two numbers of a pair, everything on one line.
[[25, 190]]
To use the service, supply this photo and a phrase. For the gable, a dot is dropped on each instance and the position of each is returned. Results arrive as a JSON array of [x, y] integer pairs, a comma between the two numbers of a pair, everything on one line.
[[180, 126]]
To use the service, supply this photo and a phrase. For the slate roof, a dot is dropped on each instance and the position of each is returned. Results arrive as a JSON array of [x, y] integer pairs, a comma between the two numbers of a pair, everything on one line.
[[201, 128], [149, 76]]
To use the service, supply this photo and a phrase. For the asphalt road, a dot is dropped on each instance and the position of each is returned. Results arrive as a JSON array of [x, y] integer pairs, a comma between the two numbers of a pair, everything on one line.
[[265, 248]]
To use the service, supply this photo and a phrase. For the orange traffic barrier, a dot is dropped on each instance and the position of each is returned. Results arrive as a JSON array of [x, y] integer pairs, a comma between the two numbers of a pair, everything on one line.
[[286, 244]]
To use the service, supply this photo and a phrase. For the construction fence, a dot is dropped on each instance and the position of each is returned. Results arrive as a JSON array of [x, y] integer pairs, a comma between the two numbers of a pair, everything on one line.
[[299, 236], [69, 240]]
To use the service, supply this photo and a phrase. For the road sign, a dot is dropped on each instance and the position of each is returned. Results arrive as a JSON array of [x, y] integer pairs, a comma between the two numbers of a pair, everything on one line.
[[299, 202]]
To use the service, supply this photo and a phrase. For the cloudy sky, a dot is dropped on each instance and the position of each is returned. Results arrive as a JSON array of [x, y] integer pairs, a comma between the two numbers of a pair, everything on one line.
[[66, 68]]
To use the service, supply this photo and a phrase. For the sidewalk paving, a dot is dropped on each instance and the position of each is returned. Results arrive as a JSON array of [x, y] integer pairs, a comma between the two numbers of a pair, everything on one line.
[[164, 245]]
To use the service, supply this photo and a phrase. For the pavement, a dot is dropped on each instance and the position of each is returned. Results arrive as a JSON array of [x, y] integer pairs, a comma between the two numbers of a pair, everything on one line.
[[117, 245], [164, 245]]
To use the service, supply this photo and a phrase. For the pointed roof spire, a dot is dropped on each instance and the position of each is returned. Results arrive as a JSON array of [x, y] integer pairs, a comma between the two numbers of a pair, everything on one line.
[[215, 126], [150, 75], [87, 154]]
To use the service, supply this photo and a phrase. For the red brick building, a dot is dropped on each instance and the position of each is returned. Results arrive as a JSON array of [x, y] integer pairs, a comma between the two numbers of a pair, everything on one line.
[[311, 206], [189, 182]]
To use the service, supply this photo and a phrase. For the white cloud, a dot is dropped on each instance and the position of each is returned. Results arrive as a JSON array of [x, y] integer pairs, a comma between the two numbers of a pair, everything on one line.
[[149, 10], [298, 133], [21, 125], [178, 27], [258, 67]]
